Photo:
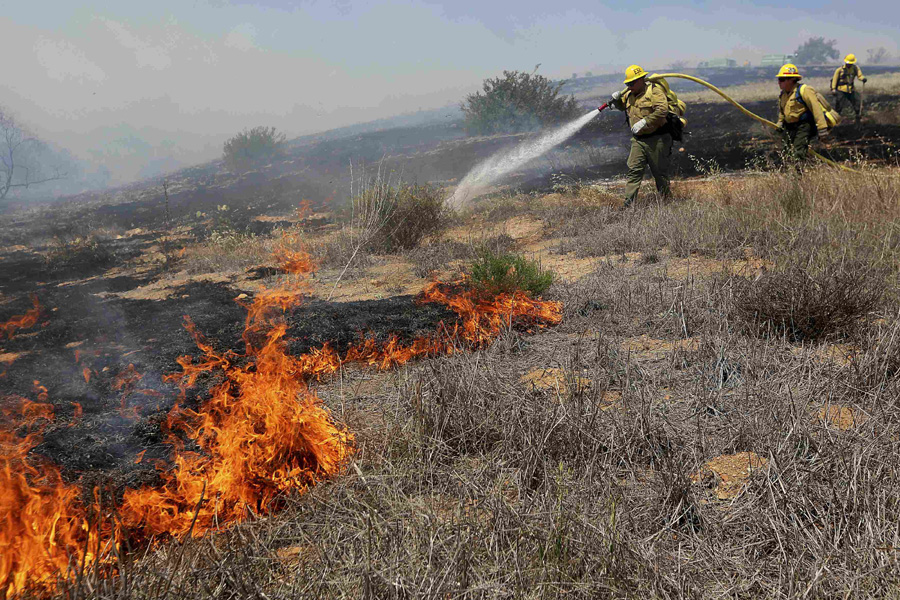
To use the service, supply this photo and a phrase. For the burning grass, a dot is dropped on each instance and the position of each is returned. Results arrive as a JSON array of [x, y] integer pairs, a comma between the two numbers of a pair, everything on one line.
[[652, 445], [259, 435], [24, 321]]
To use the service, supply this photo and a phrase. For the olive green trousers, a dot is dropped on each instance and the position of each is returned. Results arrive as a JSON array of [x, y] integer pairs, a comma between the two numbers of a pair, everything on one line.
[[797, 137], [654, 152], [842, 99]]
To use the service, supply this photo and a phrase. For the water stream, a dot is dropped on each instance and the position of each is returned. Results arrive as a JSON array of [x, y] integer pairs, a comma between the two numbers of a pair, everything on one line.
[[488, 172]]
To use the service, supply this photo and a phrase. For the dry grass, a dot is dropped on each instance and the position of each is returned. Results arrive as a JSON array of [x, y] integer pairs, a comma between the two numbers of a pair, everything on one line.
[[735, 462], [227, 252]]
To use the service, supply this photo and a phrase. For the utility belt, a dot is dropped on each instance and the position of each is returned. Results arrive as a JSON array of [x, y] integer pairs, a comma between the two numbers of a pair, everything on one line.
[[805, 119], [661, 131]]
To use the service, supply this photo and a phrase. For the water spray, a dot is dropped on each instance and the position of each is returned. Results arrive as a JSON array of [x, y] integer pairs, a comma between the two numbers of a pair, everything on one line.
[[485, 174]]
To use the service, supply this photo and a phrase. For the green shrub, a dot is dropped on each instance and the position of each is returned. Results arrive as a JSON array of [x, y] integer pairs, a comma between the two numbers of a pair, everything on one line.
[[253, 147], [398, 218], [504, 273], [517, 102]]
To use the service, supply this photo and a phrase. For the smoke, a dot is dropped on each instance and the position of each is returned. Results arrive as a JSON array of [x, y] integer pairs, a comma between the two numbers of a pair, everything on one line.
[[488, 172]]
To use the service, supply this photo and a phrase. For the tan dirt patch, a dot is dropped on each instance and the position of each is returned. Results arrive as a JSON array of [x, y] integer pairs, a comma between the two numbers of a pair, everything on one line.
[[274, 218], [8, 358], [644, 347], [295, 555], [165, 288], [558, 379], [841, 417], [700, 266], [567, 267], [395, 276], [730, 472], [554, 379], [838, 354], [521, 229]]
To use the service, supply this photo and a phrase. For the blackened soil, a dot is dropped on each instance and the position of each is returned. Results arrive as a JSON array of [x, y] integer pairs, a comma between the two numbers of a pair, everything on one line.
[[342, 324], [127, 347]]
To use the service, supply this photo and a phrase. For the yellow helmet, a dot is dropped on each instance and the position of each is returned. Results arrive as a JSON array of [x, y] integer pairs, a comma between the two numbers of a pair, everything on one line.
[[789, 70], [633, 73], [850, 59]]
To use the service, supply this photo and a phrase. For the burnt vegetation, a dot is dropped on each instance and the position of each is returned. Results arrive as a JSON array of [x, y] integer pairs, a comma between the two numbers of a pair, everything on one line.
[[720, 329], [716, 415]]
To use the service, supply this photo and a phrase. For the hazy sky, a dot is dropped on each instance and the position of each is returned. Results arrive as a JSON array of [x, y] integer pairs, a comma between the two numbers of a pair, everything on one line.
[[180, 75]]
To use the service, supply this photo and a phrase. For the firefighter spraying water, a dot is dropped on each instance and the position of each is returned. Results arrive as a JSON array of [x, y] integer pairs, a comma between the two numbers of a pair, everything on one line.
[[656, 119]]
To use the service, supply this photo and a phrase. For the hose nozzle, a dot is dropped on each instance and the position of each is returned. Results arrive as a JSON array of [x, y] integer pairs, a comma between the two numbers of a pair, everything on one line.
[[602, 106]]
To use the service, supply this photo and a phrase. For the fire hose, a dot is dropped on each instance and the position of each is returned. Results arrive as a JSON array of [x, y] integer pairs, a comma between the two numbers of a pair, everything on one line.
[[754, 116]]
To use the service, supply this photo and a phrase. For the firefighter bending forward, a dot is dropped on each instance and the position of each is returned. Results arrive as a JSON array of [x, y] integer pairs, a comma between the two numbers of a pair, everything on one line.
[[842, 87], [646, 105], [800, 115]]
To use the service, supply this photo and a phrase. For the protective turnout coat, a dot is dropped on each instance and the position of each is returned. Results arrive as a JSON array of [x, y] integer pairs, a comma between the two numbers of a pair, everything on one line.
[[651, 104], [791, 110], [843, 78]]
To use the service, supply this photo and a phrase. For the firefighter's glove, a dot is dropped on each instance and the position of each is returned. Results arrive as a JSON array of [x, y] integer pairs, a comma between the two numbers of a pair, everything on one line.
[[863, 79], [613, 99], [637, 127]]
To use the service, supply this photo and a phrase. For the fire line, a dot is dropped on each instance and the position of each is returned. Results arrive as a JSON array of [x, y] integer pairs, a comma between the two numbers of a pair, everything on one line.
[[262, 433]]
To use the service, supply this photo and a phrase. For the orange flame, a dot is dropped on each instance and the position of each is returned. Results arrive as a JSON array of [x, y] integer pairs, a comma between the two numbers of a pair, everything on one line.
[[296, 262], [43, 524], [481, 319], [262, 433], [29, 319]]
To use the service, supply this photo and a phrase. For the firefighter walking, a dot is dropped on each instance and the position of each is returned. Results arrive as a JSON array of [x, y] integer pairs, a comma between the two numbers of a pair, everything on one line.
[[801, 117], [646, 107], [842, 86]]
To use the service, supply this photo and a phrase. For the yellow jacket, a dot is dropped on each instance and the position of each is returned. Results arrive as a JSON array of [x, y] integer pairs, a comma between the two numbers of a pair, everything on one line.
[[842, 80], [791, 110], [651, 104]]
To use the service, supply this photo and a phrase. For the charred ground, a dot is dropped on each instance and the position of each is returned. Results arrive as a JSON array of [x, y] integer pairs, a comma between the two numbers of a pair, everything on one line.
[[650, 379]]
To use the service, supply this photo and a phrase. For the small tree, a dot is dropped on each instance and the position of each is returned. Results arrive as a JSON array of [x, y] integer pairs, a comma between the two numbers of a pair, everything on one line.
[[20, 157], [816, 50], [677, 65], [253, 147], [877, 55], [517, 102]]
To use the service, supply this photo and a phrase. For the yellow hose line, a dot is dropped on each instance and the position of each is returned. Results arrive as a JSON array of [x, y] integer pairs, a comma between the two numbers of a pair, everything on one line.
[[731, 101]]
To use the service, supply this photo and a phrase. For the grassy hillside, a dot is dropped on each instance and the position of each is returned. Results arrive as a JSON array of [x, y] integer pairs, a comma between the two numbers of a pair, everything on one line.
[[713, 415]]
